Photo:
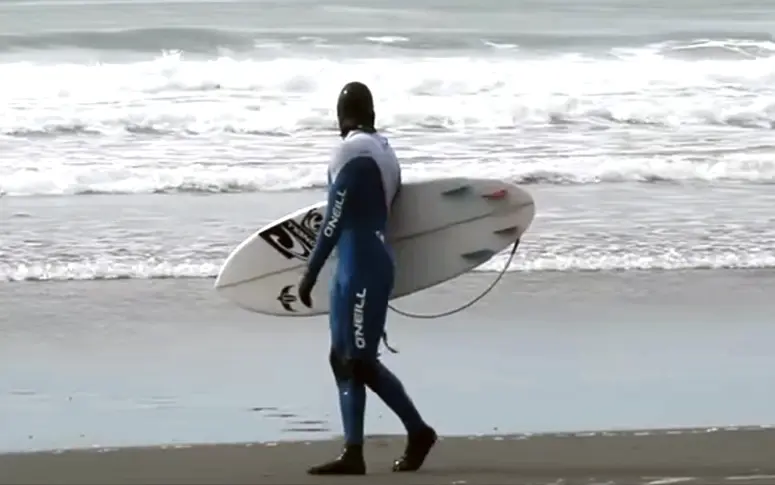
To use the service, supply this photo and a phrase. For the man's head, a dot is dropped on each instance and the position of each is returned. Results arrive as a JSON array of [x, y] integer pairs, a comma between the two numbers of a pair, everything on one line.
[[355, 109]]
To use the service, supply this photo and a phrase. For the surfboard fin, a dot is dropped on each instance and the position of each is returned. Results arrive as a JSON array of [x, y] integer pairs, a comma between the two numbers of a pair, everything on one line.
[[479, 255], [497, 195], [457, 191], [506, 231]]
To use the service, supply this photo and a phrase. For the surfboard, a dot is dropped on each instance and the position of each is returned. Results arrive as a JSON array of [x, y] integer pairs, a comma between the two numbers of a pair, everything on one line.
[[438, 229]]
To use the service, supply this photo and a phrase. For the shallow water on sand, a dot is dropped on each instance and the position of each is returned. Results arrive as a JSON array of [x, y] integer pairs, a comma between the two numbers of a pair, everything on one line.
[[168, 361]]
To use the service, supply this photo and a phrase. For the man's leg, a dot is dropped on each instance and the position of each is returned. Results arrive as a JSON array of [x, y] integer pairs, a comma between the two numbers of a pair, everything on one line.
[[370, 306], [351, 387], [357, 321], [389, 388], [379, 378], [421, 437]]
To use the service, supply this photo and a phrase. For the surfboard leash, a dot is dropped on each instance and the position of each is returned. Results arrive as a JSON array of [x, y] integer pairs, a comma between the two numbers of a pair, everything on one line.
[[467, 305]]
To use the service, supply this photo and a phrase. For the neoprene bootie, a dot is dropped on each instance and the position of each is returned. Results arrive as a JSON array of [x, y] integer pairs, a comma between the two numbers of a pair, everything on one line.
[[350, 462], [418, 446]]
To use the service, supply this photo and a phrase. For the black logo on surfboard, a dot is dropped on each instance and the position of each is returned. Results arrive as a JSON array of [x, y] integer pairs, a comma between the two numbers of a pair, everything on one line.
[[293, 239], [312, 221], [287, 299]]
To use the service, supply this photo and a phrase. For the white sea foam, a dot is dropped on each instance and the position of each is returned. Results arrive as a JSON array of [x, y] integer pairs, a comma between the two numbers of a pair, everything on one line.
[[233, 124], [106, 269], [700, 112]]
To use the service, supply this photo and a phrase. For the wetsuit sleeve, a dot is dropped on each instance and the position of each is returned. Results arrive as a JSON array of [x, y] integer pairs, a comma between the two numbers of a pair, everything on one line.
[[340, 194]]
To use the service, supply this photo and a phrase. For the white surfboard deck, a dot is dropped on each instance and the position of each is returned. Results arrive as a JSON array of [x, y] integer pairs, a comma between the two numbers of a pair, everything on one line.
[[438, 230]]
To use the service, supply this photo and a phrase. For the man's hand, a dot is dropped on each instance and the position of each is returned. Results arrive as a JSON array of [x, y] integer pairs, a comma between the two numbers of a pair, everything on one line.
[[305, 290]]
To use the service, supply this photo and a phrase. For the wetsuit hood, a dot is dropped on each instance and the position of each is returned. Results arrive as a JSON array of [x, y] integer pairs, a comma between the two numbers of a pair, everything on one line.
[[355, 109]]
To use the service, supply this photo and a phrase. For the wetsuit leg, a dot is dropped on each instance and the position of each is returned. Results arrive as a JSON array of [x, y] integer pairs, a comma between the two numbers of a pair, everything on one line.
[[359, 310], [350, 349], [390, 389]]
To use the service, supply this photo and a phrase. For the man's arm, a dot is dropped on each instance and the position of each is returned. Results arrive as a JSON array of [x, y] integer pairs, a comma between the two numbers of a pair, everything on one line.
[[340, 194]]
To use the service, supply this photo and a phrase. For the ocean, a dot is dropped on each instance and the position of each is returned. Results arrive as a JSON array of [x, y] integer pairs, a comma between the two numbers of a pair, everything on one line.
[[142, 140]]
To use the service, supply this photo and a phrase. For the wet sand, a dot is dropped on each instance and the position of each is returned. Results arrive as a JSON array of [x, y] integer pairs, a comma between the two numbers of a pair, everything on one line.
[[622, 351], [701, 456], [146, 363]]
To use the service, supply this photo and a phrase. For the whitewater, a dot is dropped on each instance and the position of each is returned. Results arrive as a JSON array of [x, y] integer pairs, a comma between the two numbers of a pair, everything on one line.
[[648, 145]]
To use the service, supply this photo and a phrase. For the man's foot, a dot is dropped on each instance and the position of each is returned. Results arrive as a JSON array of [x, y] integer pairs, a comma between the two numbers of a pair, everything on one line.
[[418, 446], [350, 462]]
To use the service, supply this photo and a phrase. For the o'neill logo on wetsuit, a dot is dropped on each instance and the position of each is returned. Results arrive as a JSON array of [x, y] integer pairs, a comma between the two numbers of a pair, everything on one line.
[[360, 303], [294, 240], [336, 213]]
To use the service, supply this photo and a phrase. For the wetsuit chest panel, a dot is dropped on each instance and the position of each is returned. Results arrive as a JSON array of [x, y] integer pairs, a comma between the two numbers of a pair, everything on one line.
[[364, 177]]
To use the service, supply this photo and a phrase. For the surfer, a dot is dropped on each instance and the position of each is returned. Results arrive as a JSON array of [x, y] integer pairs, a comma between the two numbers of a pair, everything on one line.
[[363, 180]]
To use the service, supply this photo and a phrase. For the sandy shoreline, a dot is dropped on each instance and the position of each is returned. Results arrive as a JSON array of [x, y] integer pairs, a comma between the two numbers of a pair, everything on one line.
[[706, 456]]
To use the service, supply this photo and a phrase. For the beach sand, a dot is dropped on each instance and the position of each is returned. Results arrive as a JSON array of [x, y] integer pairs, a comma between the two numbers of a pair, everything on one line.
[[649, 457]]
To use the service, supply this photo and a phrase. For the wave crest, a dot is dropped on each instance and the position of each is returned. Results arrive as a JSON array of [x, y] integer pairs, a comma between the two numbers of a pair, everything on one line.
[[201, 40]]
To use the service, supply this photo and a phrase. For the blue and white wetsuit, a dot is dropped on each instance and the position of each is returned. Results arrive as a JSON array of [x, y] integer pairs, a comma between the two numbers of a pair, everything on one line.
[[364, 178]]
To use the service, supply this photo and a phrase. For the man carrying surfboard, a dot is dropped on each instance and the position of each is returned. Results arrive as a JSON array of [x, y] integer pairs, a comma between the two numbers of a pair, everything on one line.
[[363, 180]]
